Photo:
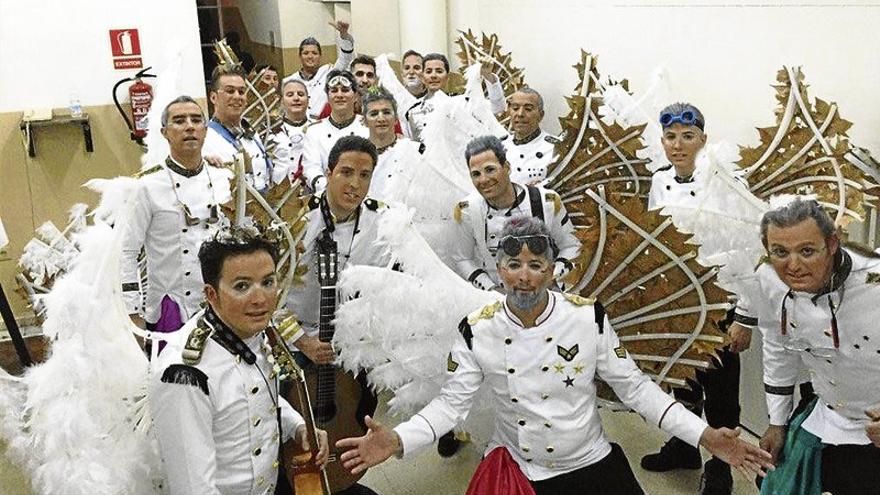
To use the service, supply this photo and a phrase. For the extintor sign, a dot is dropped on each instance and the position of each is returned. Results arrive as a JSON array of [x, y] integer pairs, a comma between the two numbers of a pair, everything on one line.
[[125, 45]]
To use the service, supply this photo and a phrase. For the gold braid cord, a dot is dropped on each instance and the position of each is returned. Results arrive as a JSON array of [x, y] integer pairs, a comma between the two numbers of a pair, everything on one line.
[[473, 51], [804, 153], [663, 305]]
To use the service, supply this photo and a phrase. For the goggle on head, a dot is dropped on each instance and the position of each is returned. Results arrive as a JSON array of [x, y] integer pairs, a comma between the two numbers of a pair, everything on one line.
[[537, 244], [686, 117]]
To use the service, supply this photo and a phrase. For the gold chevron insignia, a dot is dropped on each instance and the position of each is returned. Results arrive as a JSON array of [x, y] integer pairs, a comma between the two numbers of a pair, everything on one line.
[[451, 365], [568, 354], [620, 352]]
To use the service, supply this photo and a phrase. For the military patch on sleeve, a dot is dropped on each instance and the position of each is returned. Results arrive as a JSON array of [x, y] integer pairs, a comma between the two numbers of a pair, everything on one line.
[[578, 300], [873, 278], [620, 352], [451, 365], [552, 197], [487, 312], [195, 344], [568, 354], [464, 328], [456, 212]]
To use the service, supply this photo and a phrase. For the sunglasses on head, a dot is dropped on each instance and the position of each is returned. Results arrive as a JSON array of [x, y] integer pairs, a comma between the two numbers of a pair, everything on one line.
[[339, 81], [687, 117], [538, 244]]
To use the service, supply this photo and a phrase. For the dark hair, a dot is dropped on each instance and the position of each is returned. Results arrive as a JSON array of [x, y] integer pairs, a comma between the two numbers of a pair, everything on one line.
[[351, 143], [796, 212], [410, 53], [263, 67], [338, 72], [309, 41], [365, 60], [225, 70], [485, 143], [179, 99], [436, 56], [229, 242], [377, 93]]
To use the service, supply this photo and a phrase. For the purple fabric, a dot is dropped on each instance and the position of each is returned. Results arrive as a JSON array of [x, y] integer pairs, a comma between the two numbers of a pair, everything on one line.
[[169, 316]]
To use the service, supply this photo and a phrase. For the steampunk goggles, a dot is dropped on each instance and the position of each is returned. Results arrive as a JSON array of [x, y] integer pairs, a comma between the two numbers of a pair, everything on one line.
[[538, 244], [687, 117], [339, 81]]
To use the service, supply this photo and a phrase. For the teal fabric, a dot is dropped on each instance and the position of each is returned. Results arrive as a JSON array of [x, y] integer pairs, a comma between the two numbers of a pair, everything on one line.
[[799, 468]]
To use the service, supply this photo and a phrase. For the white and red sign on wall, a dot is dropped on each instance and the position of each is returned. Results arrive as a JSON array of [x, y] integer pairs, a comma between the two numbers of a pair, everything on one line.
[[125, 44]]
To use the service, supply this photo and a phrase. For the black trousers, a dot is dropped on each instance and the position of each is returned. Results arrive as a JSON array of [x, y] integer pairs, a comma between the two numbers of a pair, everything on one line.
[[610, 476], [720, 387], [851, 469]]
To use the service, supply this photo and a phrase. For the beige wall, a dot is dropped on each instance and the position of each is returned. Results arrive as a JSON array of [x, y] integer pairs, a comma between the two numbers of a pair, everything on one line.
[[43, 188]]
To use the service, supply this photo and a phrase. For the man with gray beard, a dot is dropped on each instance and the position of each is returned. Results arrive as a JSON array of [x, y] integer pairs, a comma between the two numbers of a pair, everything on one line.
[[540, 352]]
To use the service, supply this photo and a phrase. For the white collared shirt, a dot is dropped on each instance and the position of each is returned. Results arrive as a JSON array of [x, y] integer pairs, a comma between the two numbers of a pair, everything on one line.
[[289, 146], [541, 381], [401, 160], [320, 138], [529, 160], [158, 225], [217, 145]]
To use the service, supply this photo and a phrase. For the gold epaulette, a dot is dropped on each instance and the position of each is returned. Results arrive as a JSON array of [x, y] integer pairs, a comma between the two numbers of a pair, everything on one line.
[[195, 344], [552, 197], [456, 212], [578, 300], [151, 170], [487, 312]]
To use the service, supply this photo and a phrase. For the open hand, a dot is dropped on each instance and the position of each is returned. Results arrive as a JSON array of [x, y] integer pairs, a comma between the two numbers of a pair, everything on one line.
[[341, 26], [748, 459], [374, 448]]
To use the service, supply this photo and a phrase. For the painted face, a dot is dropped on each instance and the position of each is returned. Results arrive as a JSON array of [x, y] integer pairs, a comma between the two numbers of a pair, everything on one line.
[[295, 100], [380, 117], [435, 75], [229, 99], [802, 257], [349, 181], [681, 144], [525, 114], [525, 277], [246, 294], [186, 128], [492, 179], [310, 58], [269, 78], [364, 75], [341, 99], [412, 71]]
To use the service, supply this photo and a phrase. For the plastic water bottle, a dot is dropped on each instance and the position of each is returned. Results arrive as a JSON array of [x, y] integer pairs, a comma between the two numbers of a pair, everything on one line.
[[76, 109]]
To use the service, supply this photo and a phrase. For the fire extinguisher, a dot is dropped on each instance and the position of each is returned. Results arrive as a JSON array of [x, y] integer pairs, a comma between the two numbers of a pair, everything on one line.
[[140, 95]]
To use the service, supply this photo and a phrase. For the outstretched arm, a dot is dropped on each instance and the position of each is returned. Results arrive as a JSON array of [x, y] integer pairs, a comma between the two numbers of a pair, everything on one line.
[[344, 45], [372, 449]]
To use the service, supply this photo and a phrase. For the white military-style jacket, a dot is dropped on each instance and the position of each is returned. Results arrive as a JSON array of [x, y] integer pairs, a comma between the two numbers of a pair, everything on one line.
[[315, 85], [479, 227], [846, 378], [530, 158], [320, 138], [356, 245], [289, 146], [225, 144], [417, 110], [402, 157], [213, 398], [158, 225], [666, 189], [542, 385]]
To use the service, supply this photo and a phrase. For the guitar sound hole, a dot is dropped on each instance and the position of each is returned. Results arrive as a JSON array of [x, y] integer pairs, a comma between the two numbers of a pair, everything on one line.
[[324, 413]]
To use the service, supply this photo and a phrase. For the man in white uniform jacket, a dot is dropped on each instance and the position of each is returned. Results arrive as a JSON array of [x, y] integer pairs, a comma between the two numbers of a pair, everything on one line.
[[481, 216], [539, 353], [175, 208], [530, 150], [818, 308], [314, 75], [217, 413], [228, 133]]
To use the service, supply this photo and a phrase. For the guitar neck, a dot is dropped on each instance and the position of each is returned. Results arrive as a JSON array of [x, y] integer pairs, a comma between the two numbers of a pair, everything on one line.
[[328, 312]]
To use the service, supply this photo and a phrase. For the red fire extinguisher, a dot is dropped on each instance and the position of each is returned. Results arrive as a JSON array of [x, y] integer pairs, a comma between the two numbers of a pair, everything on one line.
[[140, 95]]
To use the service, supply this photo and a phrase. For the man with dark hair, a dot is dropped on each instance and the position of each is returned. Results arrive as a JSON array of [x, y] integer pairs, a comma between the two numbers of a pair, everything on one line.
[[341, 90], [399, 157], [411, 67], [343, 214], [363, 67], [269, 77], [530, 150], [817, 308], [548, 433], [313, 74], [217, 412], [230, 134], [176, 206]]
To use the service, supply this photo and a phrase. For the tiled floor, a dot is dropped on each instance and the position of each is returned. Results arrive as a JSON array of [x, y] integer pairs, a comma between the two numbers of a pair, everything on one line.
[[427, 473]]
